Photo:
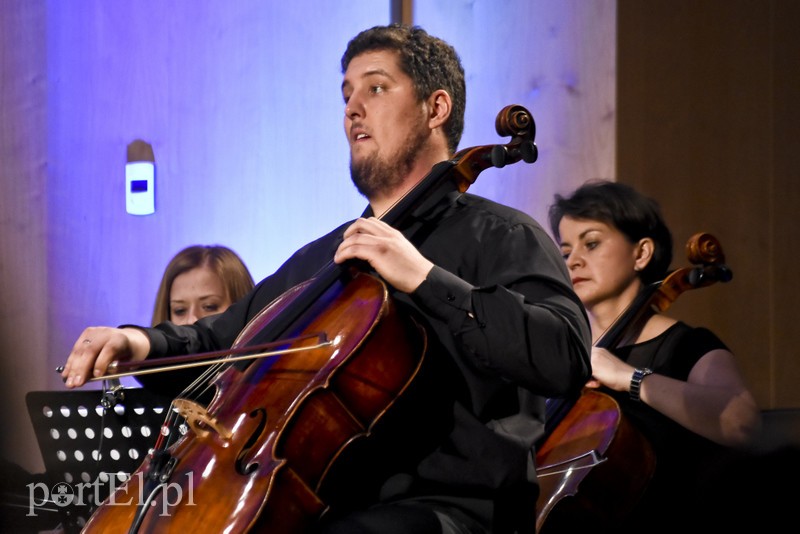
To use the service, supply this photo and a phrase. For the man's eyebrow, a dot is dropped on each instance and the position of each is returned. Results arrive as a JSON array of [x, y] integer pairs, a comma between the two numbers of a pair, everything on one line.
[[367, 74], [378, 72]]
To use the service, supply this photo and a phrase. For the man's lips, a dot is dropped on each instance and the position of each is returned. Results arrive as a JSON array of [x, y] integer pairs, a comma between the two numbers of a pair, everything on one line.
[[358, 133]]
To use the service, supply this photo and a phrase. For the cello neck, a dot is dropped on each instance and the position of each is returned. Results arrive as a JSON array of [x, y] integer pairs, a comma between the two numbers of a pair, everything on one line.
[[630, 322], [625, 327]]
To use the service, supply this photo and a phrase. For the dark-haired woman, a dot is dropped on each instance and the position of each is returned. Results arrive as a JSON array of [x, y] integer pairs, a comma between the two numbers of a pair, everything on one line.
[[678, 384]]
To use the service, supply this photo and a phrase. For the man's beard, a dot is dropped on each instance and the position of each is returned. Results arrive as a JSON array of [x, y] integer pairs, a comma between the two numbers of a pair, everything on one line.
[[375, 175]]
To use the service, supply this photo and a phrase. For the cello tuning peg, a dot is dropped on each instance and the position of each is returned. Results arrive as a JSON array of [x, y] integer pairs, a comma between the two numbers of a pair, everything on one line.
[[696, 276], [709, 274], [499, 155], [526, 151], [529, 151], [723, 273]]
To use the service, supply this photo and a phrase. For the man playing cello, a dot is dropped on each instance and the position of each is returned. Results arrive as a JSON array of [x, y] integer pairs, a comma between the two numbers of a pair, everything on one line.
[[487, 281]]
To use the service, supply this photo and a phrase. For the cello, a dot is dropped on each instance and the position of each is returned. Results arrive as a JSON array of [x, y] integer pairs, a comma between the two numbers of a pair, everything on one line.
[[272, 446], [593, 465]]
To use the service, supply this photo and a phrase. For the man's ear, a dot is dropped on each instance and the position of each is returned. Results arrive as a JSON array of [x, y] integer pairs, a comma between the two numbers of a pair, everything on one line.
[[440, 105]]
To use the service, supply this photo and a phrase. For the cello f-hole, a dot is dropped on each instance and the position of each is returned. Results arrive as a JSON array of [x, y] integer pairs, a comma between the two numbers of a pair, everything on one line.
[[247, 468]]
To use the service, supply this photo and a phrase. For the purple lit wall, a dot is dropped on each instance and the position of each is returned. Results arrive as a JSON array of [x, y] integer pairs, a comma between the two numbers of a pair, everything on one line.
[[242, 106], [241, 103]]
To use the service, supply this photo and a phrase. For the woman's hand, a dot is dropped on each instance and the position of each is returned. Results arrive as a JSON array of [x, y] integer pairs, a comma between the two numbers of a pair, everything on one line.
[[609, 371]]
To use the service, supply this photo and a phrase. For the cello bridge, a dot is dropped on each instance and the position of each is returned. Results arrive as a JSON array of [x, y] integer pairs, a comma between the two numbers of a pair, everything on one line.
[[199, 420]]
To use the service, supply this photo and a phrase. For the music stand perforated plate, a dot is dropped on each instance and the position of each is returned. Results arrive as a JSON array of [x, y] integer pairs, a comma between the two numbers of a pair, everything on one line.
[[83, 444]]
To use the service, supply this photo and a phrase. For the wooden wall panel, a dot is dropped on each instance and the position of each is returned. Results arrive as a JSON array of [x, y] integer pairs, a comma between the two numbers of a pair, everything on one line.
[[785, 205], [707, 125], [555, 58], [23, 217]]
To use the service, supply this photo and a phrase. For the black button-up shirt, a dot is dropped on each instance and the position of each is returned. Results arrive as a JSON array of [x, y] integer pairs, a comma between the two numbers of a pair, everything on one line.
[[506, 332]]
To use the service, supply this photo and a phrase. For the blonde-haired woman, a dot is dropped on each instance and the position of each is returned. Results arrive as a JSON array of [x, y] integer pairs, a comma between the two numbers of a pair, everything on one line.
[[199, 281]]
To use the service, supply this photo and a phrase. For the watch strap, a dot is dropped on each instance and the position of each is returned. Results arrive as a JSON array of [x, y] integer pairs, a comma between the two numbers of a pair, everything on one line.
[[636, 382]]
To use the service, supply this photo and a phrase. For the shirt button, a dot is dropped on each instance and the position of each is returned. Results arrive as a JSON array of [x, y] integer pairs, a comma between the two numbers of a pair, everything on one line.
[[451, 298]]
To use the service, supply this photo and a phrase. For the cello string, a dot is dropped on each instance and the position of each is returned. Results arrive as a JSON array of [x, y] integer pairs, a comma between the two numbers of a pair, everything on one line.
[[203, 383]]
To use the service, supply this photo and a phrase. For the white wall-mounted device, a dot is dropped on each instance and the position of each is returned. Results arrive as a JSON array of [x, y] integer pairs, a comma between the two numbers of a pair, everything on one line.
[[140, 179]]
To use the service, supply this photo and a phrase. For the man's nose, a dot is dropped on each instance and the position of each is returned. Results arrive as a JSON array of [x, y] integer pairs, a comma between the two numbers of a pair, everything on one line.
[[354, 107]]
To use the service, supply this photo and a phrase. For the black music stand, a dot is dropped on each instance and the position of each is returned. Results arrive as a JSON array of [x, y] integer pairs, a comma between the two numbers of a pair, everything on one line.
[[80, 459]]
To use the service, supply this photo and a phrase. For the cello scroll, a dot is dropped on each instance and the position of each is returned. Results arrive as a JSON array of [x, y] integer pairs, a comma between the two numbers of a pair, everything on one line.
[[514, 121], [704, 251]]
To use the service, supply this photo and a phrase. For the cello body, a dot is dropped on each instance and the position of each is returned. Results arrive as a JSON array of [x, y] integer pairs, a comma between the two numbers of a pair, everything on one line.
[[289, 421], [593, 467]]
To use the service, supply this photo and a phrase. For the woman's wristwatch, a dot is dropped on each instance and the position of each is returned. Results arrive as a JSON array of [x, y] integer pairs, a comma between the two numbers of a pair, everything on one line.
[[636, 381]]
